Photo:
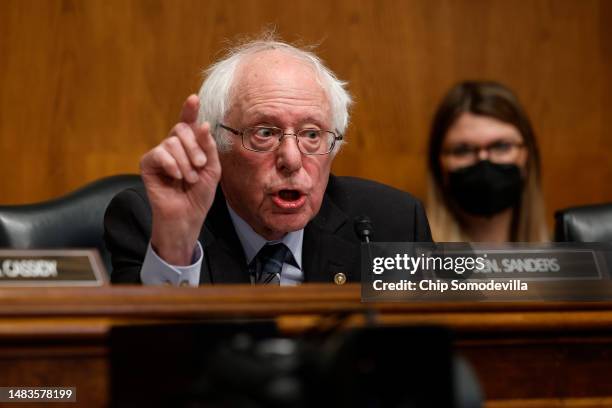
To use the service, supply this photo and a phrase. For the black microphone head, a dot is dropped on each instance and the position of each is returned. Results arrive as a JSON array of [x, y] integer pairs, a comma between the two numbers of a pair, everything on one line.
[[363, 228]]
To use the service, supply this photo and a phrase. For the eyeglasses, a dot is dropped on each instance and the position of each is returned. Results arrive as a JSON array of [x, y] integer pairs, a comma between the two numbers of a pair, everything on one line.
[[268, 138], [498, 152]]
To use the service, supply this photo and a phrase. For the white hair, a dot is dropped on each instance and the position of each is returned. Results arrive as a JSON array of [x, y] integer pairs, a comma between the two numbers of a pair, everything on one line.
[[215, 90]]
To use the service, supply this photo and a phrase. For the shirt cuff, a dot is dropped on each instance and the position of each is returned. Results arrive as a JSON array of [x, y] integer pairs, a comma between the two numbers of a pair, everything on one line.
[[156, 271]]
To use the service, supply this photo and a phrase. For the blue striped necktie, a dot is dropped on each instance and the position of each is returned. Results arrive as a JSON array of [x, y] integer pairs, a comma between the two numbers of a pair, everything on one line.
[[267, 265]]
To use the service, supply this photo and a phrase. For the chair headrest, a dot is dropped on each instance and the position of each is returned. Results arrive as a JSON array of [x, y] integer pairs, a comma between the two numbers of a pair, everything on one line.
[[590, 223], [75, 220]]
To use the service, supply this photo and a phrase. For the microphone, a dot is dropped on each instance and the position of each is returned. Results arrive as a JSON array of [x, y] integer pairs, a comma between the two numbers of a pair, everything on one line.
[[363, 228], [365, 232]]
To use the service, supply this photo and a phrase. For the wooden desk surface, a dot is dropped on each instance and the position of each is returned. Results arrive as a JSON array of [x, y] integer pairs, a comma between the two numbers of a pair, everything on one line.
[[525, 353]]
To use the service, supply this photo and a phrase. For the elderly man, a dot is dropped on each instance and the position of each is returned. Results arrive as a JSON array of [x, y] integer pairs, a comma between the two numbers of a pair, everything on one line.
[[240, 191]]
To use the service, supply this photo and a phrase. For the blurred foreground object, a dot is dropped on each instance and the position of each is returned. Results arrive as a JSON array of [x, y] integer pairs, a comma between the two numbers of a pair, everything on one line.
[[251, 365]]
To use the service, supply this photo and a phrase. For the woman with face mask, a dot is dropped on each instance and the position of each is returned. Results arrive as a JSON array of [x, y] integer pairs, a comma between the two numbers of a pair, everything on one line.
[[484, 168]]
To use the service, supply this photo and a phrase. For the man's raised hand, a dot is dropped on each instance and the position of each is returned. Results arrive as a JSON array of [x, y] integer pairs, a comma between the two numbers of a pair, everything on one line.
[[181, 176]]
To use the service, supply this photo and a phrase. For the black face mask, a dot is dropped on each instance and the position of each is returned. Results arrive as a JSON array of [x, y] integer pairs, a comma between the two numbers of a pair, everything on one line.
[[486, 188]]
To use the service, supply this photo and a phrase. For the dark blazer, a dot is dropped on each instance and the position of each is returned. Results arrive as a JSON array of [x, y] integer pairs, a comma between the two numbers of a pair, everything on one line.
[[330, 242]]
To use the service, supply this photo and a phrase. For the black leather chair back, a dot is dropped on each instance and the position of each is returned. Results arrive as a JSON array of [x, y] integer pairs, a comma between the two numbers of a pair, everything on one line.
[[72, 221], [590, 223]]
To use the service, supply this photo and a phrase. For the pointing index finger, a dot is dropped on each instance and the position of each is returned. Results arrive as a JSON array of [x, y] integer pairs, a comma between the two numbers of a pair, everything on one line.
[[189, 112]]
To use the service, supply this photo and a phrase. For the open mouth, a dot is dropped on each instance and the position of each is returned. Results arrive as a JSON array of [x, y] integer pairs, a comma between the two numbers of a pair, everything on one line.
[[289, 195], [289, 199]]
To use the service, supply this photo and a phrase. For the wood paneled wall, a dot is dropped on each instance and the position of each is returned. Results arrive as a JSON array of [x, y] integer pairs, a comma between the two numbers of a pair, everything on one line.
[[88, 86]]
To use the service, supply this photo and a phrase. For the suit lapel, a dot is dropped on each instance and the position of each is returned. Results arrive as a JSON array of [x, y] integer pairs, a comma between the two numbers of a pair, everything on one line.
[[326, 252], [224, 256]]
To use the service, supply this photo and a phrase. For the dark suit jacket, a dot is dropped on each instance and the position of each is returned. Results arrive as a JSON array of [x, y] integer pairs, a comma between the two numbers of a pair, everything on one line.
[[330, 242]]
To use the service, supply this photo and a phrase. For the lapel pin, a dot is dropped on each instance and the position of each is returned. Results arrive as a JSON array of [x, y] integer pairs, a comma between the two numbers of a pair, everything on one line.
[[339, 278]]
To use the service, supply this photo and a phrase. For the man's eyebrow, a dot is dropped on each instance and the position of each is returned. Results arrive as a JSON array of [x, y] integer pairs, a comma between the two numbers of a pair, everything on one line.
[[261, 118], [312, 119], [274, 120]]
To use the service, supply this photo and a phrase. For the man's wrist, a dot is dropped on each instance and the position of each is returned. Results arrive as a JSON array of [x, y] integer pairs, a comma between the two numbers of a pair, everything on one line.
[[174, 247], [178, 255]]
